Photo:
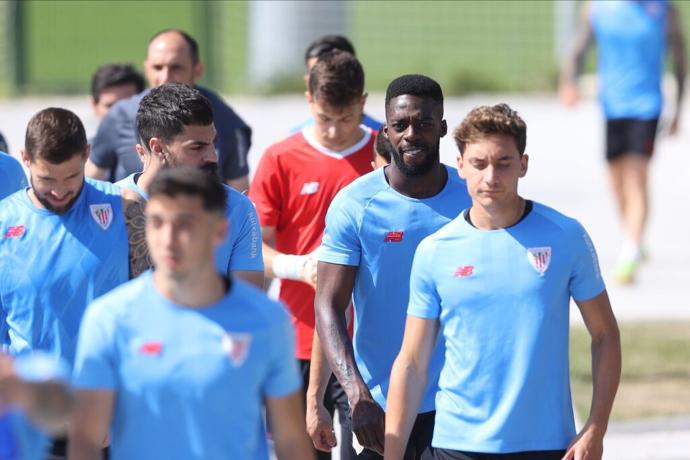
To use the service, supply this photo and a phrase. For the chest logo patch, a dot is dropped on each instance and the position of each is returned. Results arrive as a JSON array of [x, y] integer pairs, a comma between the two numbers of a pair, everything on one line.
[[151, 348], [309, 188], [16, 231], [539, 258], [236, 346], [102, 214], [464, 271], [393, 237]]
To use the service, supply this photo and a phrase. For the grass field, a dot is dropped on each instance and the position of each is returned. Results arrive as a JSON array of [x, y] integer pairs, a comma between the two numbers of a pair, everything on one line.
[[656, 371]]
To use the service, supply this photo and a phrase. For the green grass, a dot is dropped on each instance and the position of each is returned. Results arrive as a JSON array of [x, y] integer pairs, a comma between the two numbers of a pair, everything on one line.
[[656, 370]]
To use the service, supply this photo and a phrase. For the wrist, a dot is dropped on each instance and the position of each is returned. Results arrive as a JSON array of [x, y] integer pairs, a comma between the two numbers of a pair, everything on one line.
[[289, 266]]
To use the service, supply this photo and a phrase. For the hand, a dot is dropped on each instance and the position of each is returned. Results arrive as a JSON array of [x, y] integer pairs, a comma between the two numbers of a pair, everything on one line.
[[588, 445], [10, 385], [308, 271], [568, 94], [368, 424], [320, 427]]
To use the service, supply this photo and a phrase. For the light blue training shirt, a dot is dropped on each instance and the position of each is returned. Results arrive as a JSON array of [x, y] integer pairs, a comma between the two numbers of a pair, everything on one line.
[[502, 298]]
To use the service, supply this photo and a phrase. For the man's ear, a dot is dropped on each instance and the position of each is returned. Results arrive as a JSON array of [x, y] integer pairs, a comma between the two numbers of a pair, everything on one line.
[[26, 159], [444, 128], [198, 71], [156, 147], [524, 161]]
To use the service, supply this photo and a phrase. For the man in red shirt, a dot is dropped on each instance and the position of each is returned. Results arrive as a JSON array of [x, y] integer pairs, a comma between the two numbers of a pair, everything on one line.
[[295, 183]]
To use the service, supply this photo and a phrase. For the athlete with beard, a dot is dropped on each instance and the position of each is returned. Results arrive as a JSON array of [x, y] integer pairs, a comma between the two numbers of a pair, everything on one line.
[[64, 241], [373, 227], [175, 126]]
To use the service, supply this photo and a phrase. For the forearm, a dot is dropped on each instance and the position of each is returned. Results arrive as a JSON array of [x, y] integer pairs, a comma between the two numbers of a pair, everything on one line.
[[331, 325], [81, 449], [405, 393], [319, 373], [49, 404], [606, 371], [296, 448]]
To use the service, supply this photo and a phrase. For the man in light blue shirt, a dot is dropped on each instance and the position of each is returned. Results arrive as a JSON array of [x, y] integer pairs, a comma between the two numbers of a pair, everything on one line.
[[181, 362], [12, 177], [373, 227], [632, 39], [496, 285], [176, 128]]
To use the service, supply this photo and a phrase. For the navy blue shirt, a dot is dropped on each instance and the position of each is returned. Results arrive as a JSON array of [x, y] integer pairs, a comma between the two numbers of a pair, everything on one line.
[[113, 146]]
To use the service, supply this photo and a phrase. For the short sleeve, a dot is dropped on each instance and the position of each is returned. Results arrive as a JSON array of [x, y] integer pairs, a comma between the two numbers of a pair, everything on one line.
[[283, 376], [341, 244], [585, 280], [425, 302], [246, 250], [266, 190], [95, 362], [104, 144]]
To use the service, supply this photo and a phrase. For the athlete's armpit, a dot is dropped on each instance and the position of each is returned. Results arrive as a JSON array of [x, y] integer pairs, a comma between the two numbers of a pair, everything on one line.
[[139, 259]]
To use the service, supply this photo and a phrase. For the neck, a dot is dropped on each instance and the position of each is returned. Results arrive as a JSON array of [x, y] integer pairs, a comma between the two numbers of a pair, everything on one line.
[[423, 186], [203, 287], [494, 218], [147, 175]]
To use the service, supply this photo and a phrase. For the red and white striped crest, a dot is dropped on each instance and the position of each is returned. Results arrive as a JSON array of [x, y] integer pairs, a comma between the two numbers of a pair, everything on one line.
[[102, 214], [236, 346], [539, 258]]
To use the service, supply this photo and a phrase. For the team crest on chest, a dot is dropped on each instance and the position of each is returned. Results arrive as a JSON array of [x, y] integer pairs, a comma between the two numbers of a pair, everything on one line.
[[539, 258], [102, 214], [236, 346]]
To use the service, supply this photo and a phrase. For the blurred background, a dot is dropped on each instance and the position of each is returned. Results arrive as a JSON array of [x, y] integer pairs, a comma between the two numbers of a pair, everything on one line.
[[481, 52], [257, 47]]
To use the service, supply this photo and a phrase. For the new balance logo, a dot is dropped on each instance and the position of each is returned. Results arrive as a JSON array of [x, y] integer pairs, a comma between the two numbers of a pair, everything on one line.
[[151, 348], [393, 237], [15, 231], [309, 188], [464, 271]]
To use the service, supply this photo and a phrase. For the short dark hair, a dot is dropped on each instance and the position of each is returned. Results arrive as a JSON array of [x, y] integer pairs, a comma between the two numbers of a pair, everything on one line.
[[414, 85], [327, 43], [486, 120], [337, 79], [186, 180], [167, 109], [55, 135], [383, 146], [109, 75], [191, 43]]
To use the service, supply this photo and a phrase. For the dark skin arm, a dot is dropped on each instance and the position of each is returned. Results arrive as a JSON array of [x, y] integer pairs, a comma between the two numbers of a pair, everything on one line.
[[139, 259], [333, 292]]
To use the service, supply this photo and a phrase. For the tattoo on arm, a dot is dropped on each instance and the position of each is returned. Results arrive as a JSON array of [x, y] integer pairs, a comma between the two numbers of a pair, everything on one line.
[[139, 259]]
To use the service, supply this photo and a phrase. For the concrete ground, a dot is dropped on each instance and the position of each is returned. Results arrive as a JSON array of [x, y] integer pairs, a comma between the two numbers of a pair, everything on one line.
[[567, 172]]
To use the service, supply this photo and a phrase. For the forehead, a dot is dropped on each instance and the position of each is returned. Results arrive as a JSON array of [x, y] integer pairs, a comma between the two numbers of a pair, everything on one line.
[[330, 110], [407, 105], [169, 46], [174, 206], [42, 167], [118, 91], [494, 145], [202, 133]]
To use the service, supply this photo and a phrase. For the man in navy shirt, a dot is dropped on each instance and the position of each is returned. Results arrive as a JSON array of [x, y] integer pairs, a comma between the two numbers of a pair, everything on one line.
[[173, 57]]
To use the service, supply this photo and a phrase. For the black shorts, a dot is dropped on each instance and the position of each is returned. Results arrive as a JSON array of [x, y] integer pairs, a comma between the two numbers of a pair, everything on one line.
[[630, 136], [446, 454], [419, 444]]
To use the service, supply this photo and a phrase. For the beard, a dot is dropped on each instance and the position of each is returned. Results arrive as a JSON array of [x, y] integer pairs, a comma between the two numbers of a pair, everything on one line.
[[431, 158], [46, 203], [210, 168]]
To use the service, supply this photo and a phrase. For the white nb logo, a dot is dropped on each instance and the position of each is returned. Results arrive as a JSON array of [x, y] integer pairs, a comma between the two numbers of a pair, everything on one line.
[[309, 188]]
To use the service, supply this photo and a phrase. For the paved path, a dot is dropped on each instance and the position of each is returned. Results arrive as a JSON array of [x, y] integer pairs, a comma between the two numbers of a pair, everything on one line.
[[567, 172]]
